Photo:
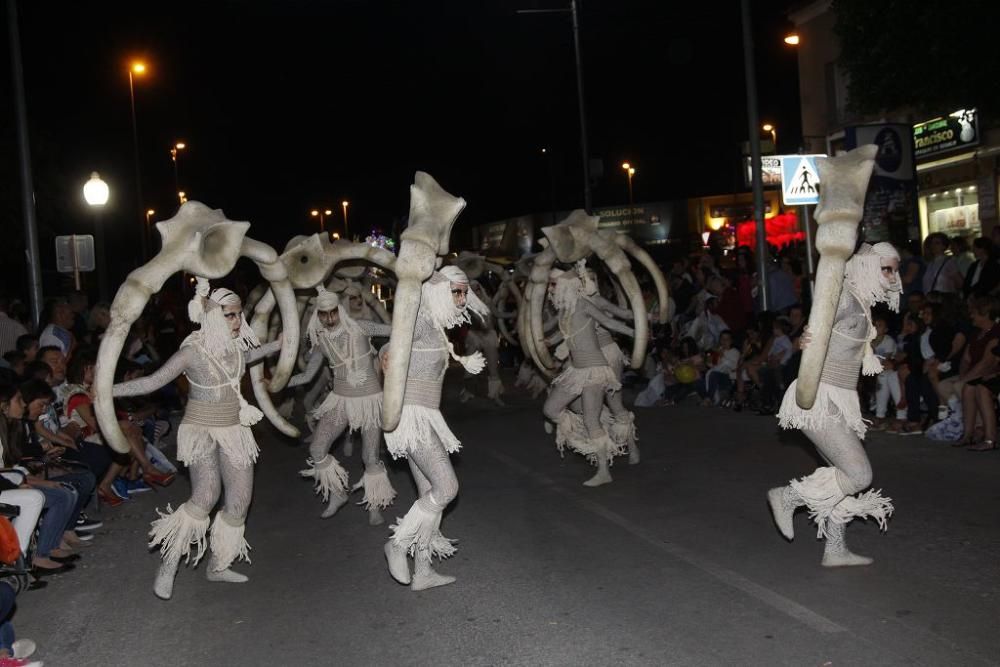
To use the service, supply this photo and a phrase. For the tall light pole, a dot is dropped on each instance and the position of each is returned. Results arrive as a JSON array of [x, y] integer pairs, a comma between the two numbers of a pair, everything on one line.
[[321, 214], [24, 153], [630, 172], [584, 148], [346, 234], [96, 193], [753, 123], [137, 68], [174, 150]]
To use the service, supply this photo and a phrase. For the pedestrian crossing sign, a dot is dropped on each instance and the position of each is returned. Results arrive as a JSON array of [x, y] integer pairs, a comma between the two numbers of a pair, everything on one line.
[[800, 179]]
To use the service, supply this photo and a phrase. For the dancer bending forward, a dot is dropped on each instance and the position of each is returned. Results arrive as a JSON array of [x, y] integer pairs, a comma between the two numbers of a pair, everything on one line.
[[355, 404], [214, 439], [834, 423], [423, 436]]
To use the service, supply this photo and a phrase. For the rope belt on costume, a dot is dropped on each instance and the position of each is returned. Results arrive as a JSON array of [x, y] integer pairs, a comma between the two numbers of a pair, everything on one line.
[[426, 393], [843, 374], [212, 413], [369, 386]]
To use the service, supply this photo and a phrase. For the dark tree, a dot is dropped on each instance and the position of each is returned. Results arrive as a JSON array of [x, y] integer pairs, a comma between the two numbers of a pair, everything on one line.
[[927, 56]]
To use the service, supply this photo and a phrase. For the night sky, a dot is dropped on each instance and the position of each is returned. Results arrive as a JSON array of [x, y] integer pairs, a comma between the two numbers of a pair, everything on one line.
[[288, 106]]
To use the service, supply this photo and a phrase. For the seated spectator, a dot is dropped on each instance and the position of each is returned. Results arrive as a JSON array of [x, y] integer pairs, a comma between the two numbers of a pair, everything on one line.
[[772, 374], [707, 326], [28, 344], [983, 276], [720, 375], [98, 322], [887, 382], [57, 333], [16, 361], [57, 537], [10, 329], [978, 379]]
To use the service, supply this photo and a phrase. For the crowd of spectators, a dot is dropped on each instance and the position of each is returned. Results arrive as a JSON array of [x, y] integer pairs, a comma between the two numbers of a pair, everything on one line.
[[55, 467], [940, 355]]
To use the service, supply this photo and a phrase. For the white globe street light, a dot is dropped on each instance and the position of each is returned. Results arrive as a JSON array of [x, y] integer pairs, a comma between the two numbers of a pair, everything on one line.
[[97, 193]]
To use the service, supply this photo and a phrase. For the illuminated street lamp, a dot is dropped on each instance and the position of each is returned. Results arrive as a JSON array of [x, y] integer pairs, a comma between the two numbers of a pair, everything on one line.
[[321, 214], [630, 172], [767, 127], [792, 39], [174, 150], [137, 68], [96, 194], [344, 204], [182, 196]]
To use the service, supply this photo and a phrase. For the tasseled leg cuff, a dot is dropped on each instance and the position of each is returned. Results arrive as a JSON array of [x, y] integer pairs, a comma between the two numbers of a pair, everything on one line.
[[379, 493], [177, 531], [419, 529], [330, 477], [227, 542], [622, 430], [822, 494]]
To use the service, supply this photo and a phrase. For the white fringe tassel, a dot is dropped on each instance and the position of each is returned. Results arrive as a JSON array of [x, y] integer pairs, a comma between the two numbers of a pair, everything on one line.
[[419, 426], [379, 493], [821, 493], [622, 430], [574, 380], [419, 529], [572, 433], [227, 543], [361, 412], [195, 442], [330, 477], [176, 532], [833, 405]]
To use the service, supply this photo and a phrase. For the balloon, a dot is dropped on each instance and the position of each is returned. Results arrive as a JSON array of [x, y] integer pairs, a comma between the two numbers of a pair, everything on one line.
[[685, 374]]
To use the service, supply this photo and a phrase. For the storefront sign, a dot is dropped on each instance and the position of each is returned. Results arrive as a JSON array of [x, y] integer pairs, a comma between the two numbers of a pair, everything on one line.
[[891, 201], [956, 131], [770, 171]]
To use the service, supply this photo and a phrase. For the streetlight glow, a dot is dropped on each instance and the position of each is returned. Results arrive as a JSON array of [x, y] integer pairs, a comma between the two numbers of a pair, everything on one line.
[[327, 212], [626, 166], [792, 39], [767, 127], [96, 191], [314, 213], [180, 145], [139, 67], [631, 171], [150, 212]]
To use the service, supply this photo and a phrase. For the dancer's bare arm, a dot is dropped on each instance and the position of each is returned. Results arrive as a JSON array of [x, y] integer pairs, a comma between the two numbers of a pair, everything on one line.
[[609, 323], [312, 369], [167, 373]]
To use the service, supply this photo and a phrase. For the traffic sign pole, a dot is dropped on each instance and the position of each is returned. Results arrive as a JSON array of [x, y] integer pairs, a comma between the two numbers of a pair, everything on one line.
[[76, 264]]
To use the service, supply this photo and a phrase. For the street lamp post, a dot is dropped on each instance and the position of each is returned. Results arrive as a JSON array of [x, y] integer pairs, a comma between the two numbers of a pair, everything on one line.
[[750, 77], [321, 214], [767, 127], [96, 193], [344, 204], [630, 172], [137, 68], [577, 52], [174, 150]]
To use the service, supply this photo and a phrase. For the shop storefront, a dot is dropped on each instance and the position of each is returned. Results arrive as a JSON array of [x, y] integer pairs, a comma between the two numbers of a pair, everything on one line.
[[956, 170], [729, 219]]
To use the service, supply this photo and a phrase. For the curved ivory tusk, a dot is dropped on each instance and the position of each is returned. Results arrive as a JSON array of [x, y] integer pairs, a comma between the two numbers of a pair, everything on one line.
[[841, 204], [275, 273], [197, 240], [539, 284], [259, 323], [375, 305], [432, 213], [500, 300], [254, 296], [640, 254], [615, 258]]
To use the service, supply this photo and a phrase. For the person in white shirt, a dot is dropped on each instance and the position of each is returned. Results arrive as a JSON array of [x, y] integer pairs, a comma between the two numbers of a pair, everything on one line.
[[888, 380], [942, 273], [720, 376]]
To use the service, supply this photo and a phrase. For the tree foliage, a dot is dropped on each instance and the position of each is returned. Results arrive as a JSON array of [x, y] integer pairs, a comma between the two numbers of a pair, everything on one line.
[[928, 56]]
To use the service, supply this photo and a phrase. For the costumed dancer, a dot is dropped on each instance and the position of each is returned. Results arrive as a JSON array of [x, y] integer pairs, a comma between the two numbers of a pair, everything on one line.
[[214, 439], [355, 403], [422, 436], [834, 423], [587, 374], [482, 336], [823, 401]]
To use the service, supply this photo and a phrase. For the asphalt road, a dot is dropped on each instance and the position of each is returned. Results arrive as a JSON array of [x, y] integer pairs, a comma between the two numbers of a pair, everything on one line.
[[675, 563]]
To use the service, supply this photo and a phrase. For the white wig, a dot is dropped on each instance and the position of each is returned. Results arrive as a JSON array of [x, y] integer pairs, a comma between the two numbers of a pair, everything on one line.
[[864, 276], [205, 309], [436, 298]]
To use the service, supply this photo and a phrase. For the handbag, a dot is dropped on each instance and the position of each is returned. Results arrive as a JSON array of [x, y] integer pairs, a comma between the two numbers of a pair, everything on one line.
[[10, 547]]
